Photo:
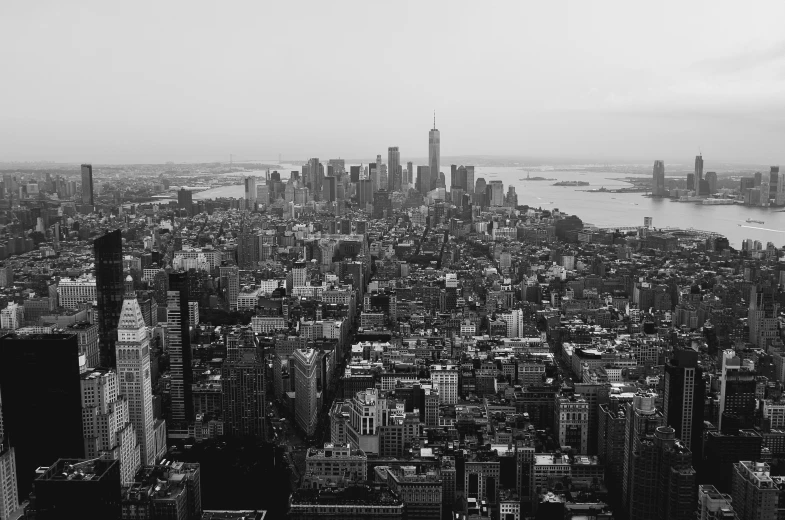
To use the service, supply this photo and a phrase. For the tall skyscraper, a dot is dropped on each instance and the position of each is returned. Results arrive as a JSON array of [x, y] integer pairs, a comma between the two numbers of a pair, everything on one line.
[[107, 428], [423, 183], [434, 153], [497, 193], [306, 369], [354, 173], [683, 399], [108, 251], [9, 493], [409, 173], [39, 391], [250, 193], [330, 189], [698, 173], [762, 315], [737, 394], [469, 180], [642, 419], [87, 184], [393, 162], [479, 193], [181, 411], [658, 179], [133, 371], [242, 382], [755, 494], [230, 283]]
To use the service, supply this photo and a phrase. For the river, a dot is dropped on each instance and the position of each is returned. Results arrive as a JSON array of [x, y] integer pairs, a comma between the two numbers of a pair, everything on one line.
[[613, 209]]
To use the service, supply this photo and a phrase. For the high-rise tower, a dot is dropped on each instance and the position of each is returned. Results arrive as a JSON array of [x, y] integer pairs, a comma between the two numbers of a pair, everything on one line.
[[181, 411], [434, 153], [658, 179], [683, 400], [87, 184], [393, 165], [133, 370], [242, 381], [306, 368], [698, 173], [250, 193], [108, 251]]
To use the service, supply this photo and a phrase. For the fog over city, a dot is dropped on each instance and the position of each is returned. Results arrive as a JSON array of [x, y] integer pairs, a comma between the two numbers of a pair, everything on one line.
[[117, 82]]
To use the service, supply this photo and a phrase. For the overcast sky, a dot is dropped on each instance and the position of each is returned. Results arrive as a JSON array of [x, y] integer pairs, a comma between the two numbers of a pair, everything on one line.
[[195, 81]]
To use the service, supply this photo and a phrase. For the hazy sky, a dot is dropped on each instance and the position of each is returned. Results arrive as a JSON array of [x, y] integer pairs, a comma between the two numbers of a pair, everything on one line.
[[190, 81]]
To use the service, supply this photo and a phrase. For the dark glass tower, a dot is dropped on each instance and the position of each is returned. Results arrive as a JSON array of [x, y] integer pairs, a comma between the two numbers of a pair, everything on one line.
[[87, 184], [179, 349], [683, 400], [109, 286], [42, 400]]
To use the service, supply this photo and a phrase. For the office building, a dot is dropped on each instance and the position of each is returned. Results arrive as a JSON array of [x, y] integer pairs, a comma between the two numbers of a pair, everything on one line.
[[683, 398], [306, 399], [393, 166], [755, 494], [434, 154], [185, 200], [230, 284], [250, 193], [179, 348], [480, 198], [133, 370], [354, 173], [409, 178], [572, 423], [164, 491], [496, 189], [12, 317], [107, 428], [39, 391], [658, 179], [762, 316], [108, 253], [242, 383], [738, 385], [711, 179], [642, 419], [75, 488], [330, 189], [445, 381], [336, 462], [382, 205], [347, 503], [87, 185], [423, 182]]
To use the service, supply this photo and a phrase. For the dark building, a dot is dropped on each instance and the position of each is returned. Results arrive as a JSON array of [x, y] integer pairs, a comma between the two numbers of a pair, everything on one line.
[[108, 251], [87, 184], [683, 399], [330, 189], [180, 348], [423, 182], [382, 206], [41, 395], [354, 174], [691, 181], [185, 200], [365, 192], [722, 450], [242, 381], [72, 488]]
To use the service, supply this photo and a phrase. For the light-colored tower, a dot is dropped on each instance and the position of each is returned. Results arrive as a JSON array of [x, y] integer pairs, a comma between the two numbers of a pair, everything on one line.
[[250, 193], [133, 370], [755, 494], [9, 493], [106, 425], [305, 402], [434, 152]]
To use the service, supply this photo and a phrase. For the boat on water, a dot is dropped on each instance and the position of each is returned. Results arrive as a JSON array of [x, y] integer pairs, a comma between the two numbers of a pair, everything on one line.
[[753, 221]]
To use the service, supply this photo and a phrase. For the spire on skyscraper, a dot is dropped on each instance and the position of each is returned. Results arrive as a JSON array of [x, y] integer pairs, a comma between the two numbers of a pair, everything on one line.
[[434, 119]]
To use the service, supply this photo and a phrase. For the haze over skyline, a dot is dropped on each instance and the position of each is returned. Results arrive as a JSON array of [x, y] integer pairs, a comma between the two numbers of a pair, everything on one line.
[[196, 81]]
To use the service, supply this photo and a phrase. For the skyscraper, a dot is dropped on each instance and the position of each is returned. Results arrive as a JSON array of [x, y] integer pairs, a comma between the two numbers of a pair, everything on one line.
[[737, 394], [423, 183], [87, 184], [497, 193], [658, 179], [393, 162], [470, 180], [711, 179], [242, 382], [133, 370], [181, 411], [306, 368], [108, 251], [250, 193], [698, 173], [683, 399], [642, 419], [479, 192], [330, 189], [107, 428], [434, 153], [409, 174], [39, 391], [9, 493]]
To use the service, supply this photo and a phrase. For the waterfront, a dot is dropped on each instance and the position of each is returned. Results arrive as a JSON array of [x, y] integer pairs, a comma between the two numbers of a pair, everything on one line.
[[612, 209]]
